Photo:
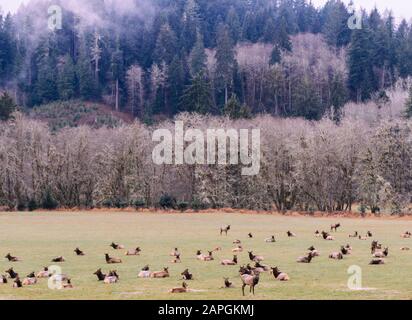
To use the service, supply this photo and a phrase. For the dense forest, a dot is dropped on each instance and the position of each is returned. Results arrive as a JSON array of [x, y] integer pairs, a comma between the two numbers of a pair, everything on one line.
[[163, 57]]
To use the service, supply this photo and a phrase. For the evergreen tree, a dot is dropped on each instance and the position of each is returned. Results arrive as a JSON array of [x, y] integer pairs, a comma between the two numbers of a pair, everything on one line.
[[225, 60], [7, 106], [67, 79], [197, 96], [234, 110], [198, 57], [165, 45]]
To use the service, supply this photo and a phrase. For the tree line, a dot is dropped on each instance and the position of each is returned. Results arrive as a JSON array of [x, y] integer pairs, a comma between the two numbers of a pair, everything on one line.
[[308, 166], [199, 55]]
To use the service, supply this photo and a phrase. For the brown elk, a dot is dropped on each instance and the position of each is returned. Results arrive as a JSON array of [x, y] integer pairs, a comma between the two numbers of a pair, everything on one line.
[[334, 227], [313, 251], [249, 280], [161, 274], [327, 236], [355, 235], [12, 274], [59, 259], [232, 262], [145, 272], [100, 275], [79, 252], [187, 275], [305, 259], [17, 283], [134, 252], [290, 234], [224, 229], [11, 258], [3, 279], [254, 258], [381, 254], [112, 260], [183, 289], [227, 283], [176, 259], [336, 256], [271, 239], [279, 275], [117, 246], [44, 273]]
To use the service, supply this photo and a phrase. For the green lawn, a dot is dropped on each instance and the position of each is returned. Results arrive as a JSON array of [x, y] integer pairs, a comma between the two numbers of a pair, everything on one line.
[[38, 237]]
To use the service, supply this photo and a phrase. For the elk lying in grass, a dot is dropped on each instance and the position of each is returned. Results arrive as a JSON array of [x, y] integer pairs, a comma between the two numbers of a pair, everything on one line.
[[187, 275], [362, 238], [291, 234], [176, 259], [145, 272], [3, 279], [59, 259], [405, 249], [345, 250], [381, 254], [375, 245], [183, 289], [227, 262], [271, 239], [100, 275], [44, 273], [227, 283], [30, 280], [11, 258], [11, 273], [238, 249], [334, 227], [175, 253], [79, 252], [327, 236], [249, 280], [224, 229], [336, 256], [279, 275], [203, 257], [355, 235], [317, 234], [305, 259], [160, 274], [68, 284], [377, 261], [134, 252], [250, 235], [117, 246], [17, 283], [260, 268], [313, 251], [254, 258], [369, 234], [237, 242], [406, 235], [112, 260], [111, 278]]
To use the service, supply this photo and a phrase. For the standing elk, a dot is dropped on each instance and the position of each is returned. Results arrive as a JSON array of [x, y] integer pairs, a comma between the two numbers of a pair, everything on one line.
[[334, 227], [224, 229]]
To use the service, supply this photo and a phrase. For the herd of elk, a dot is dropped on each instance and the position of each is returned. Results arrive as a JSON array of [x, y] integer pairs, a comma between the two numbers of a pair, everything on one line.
[[249, 275]]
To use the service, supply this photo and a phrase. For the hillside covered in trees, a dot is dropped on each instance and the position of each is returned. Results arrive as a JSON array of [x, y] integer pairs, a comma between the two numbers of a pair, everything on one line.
[[163, 57]]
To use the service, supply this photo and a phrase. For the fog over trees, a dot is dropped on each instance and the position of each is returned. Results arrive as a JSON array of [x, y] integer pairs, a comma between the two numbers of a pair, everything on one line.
[[159, 58]]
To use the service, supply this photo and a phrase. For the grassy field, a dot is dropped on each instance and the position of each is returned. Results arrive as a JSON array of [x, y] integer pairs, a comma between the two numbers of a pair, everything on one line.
[[38, 237]]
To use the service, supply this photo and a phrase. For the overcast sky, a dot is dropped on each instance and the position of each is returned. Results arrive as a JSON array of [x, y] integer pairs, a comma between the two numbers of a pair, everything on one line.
[[401, 8]]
